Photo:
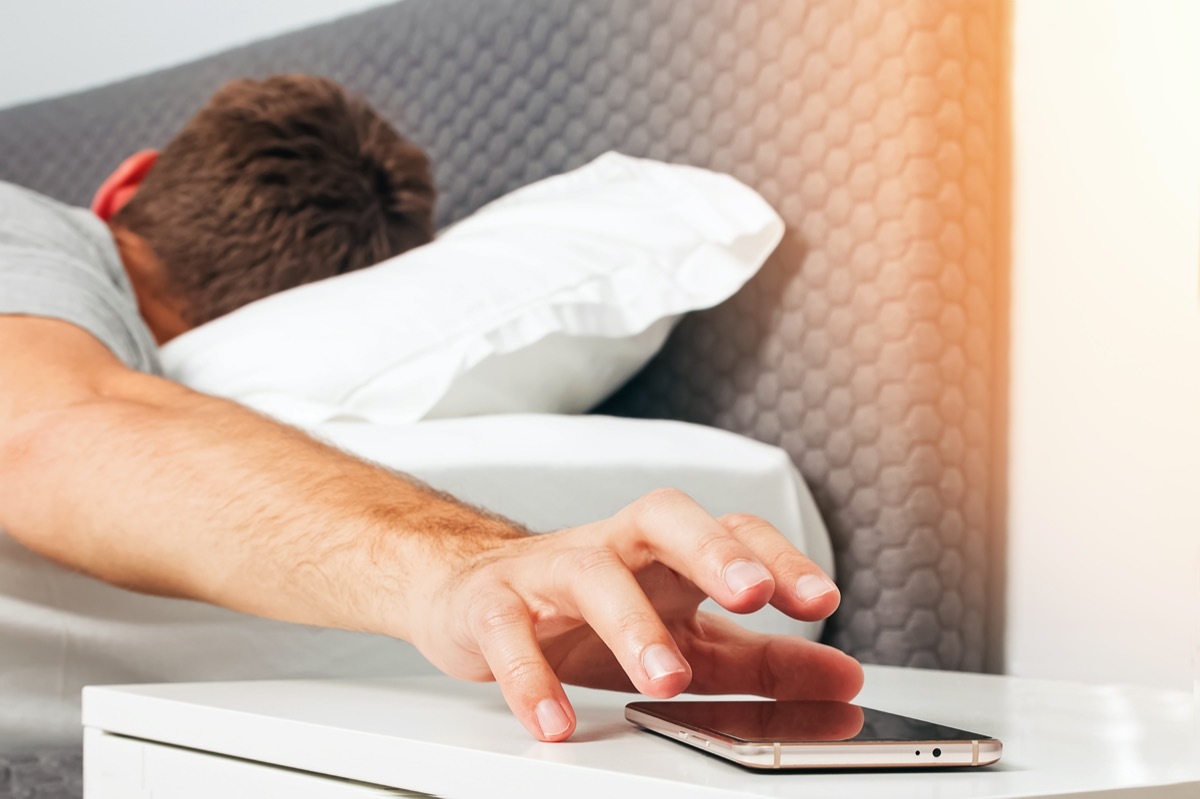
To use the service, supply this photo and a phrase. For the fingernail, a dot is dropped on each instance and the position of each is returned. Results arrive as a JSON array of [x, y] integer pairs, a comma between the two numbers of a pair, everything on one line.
[[551, 718], [812, 586], [659, 661], [742, 575]]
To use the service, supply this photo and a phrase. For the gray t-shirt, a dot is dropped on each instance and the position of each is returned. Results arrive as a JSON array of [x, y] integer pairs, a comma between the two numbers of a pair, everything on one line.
[[61, 262]]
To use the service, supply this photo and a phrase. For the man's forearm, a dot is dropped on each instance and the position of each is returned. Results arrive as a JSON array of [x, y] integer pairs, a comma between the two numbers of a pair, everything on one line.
[[181, 494], [140, 482]]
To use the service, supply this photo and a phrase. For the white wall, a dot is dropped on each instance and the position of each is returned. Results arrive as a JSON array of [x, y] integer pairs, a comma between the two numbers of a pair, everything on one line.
[[1104, 469], [48, 47]]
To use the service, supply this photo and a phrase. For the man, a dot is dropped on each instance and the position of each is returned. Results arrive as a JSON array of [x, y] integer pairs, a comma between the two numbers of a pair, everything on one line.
[[111, 470]]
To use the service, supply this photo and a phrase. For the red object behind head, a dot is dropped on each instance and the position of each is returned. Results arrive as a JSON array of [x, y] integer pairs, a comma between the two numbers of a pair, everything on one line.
[[122, 184]]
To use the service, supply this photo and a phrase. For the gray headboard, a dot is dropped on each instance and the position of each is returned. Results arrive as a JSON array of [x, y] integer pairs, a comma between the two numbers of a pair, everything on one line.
[[865, 348]]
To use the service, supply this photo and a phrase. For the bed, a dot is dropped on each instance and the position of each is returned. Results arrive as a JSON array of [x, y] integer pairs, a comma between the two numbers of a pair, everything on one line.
[[868, 348]]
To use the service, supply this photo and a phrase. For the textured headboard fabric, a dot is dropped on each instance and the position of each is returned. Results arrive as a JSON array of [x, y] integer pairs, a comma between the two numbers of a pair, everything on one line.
[[865, 347]]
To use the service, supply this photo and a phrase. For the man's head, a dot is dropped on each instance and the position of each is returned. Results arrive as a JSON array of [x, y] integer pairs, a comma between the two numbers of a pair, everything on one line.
[[274, 183]]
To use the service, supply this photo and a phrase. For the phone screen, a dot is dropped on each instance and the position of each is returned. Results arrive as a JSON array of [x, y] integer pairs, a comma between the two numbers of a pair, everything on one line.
[[801, 722]]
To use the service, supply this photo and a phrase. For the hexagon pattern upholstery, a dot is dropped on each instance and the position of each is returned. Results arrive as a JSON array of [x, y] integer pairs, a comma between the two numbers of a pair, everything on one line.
[[865, 347]]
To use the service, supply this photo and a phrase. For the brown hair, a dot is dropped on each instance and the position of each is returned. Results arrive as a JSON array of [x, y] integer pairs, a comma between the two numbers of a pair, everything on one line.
[[275, 183]]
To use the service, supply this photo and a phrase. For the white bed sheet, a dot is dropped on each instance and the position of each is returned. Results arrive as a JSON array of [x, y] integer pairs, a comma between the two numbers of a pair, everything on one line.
[[60, 631]]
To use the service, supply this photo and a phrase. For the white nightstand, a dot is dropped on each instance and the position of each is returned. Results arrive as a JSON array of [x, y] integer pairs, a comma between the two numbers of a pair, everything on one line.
[[435, 735]]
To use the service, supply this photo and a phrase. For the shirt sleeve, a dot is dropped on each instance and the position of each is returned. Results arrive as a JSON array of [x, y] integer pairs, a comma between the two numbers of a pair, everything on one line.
[[56, 265]]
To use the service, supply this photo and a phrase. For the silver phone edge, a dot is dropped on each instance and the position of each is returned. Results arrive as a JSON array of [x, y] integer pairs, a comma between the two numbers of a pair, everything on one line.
[[980, 752]]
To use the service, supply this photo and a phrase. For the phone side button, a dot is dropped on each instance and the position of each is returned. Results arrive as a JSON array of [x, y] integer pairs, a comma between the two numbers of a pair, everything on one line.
[[778, 754]]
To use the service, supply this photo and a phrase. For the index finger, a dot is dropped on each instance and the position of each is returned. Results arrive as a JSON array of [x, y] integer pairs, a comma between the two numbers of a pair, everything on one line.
[[802, 589], [673, 529], [740, 561]]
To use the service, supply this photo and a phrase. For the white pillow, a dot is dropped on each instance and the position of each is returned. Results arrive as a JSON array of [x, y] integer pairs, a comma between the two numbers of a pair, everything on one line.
[[544, 300]]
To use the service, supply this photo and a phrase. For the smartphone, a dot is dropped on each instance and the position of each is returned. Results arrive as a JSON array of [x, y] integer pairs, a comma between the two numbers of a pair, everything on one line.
[[813, 735]]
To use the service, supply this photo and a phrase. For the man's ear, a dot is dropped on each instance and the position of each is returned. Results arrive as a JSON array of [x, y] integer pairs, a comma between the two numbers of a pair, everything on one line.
[[122, 184]]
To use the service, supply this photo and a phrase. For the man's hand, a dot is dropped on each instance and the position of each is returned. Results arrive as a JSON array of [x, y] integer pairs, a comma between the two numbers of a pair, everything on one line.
[[145, 484], [614, 605]]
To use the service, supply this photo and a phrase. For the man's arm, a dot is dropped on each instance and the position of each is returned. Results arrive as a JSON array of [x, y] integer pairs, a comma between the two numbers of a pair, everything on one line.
[[145, 484]]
